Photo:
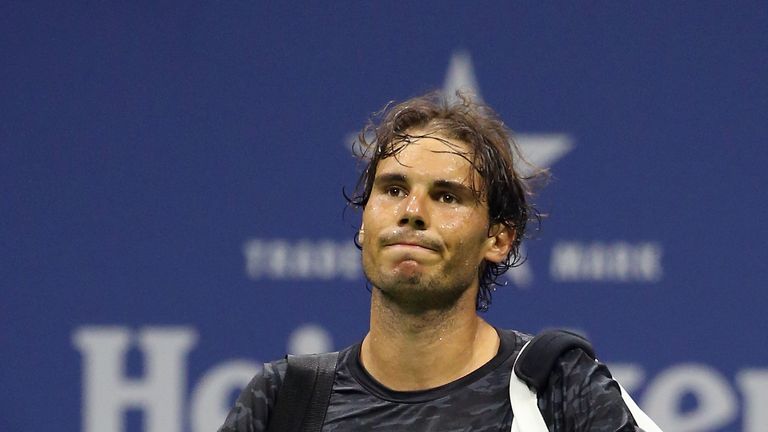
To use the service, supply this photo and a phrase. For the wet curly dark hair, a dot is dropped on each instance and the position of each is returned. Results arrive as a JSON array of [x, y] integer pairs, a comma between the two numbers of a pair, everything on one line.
[[494, 156]]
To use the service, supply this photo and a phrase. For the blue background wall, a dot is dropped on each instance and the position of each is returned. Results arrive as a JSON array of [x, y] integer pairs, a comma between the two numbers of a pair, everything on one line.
[[173, 172]]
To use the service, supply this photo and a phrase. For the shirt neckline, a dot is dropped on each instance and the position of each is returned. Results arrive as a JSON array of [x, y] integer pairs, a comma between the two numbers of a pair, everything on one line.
[[507, 344]]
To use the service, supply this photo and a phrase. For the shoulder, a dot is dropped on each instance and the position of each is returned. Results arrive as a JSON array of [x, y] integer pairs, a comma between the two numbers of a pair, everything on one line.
[[559, 355], [513, 338], [578, 393], [256, 404], [257, 400], [540, 355]]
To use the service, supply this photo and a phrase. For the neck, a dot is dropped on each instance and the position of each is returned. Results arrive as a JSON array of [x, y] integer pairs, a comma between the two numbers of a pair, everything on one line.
[[408, 351]]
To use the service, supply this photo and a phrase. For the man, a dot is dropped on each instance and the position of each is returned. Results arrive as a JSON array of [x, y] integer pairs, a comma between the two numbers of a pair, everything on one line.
[[444, 211]]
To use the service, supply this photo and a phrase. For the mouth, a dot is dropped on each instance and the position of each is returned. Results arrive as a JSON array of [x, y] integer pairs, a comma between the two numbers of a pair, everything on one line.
[[411, 241], [412, 245]]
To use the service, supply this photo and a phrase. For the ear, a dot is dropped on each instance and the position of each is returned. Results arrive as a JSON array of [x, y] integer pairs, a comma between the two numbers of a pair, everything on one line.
[[361, 233], [499, 243]]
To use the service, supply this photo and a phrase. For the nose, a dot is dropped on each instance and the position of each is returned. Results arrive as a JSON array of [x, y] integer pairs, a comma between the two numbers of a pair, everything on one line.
[[414, 212]]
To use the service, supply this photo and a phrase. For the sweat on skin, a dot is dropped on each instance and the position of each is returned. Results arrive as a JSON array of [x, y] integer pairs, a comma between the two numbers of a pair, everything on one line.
[[424, 236]]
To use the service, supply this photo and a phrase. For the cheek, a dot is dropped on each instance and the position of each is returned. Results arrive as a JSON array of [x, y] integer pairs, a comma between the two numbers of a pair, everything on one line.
[[372, 223], [377, 208], [455, 218], [465, 229]]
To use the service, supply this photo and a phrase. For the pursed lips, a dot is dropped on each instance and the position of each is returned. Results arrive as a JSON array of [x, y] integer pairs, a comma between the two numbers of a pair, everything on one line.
[[412, 245], [408, 240]]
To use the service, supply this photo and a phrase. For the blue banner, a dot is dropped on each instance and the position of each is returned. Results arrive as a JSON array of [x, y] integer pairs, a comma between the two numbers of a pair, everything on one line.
[[171, 176]]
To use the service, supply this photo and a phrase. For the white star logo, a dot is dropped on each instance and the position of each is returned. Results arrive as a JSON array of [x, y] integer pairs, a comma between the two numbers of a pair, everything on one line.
[[542, 150]]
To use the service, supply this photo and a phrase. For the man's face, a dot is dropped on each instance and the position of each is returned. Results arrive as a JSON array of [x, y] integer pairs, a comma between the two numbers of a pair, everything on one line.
[[425, 232]]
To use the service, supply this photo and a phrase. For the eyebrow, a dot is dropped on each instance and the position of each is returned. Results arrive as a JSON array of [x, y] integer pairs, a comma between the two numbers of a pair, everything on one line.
[[390, 178], [454, 186], [442, 184]]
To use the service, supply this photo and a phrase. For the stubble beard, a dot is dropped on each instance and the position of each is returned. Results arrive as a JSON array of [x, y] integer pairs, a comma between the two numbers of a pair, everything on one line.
[[419, 293]]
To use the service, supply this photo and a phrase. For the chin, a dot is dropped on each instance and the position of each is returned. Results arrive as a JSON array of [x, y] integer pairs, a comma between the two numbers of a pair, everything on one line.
[[408, 270], [397, 279]]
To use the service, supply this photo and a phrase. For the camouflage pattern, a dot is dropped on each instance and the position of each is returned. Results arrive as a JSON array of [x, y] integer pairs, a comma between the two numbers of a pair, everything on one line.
[[581, 396]]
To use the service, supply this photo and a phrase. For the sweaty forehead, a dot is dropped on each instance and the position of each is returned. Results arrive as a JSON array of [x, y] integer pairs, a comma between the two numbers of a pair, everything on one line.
[[431, 146], [434, 137], [429, 155]]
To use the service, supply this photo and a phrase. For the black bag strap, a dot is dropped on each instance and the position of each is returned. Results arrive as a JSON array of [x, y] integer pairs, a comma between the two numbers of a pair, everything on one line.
[[537, 360], [304, 394]]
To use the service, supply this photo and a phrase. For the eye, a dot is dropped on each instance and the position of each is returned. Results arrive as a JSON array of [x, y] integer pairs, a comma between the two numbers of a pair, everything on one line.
[[395, 191], [448, 198]]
